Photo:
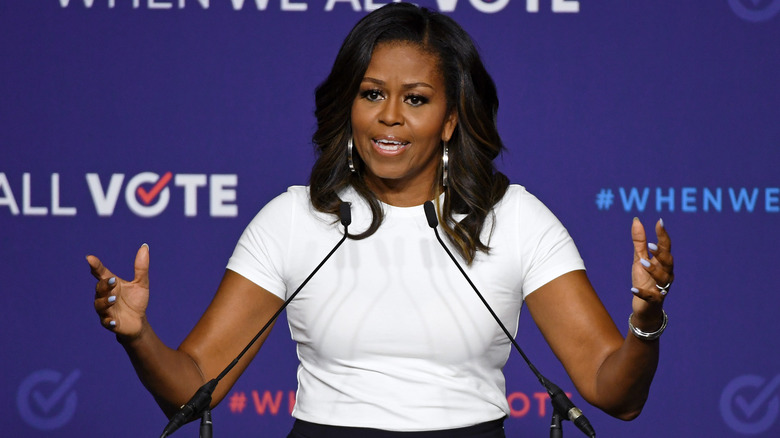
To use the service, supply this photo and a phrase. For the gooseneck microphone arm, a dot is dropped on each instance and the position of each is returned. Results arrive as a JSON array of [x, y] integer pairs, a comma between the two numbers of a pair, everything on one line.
[[562, 405], [200, 402]]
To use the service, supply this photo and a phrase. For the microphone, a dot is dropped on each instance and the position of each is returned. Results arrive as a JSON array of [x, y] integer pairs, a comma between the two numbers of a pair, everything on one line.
[[565, 407], [562, 404], [345, 215], [200, 402], [194, 407]]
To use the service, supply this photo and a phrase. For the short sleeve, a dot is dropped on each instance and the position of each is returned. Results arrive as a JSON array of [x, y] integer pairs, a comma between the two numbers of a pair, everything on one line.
[[261, 251], [547, 249]]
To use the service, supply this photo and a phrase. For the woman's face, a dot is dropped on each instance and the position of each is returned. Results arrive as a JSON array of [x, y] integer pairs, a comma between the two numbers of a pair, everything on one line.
[[399, 119]]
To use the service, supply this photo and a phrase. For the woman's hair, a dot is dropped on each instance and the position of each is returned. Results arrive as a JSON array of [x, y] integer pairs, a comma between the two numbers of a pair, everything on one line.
[[474, 185]]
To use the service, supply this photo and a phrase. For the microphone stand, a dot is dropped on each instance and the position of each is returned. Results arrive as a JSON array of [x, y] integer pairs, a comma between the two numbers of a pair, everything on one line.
[[199, 403], [556, 428], [562, 405], [205, 424]]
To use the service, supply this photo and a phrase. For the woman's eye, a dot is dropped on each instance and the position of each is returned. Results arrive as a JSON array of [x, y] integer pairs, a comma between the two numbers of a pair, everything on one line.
[[372, 95], [416, 100]]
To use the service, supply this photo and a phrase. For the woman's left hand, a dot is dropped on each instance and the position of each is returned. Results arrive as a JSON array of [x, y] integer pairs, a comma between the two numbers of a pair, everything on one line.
[[651, 277]]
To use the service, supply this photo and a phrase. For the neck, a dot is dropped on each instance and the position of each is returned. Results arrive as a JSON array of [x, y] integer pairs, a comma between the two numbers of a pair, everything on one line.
[[398, 194]]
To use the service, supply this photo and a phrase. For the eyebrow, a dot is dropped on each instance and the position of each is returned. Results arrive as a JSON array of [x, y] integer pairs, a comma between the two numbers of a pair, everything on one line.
[[405, 86]]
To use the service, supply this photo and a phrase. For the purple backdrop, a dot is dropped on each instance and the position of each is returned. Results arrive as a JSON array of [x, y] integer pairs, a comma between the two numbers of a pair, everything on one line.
[[610, 109]]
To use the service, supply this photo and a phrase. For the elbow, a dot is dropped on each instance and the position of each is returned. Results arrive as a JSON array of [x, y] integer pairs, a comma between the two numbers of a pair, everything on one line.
[[622, 408], [629, 415], [623, 404], [625, 412], [168, 408]]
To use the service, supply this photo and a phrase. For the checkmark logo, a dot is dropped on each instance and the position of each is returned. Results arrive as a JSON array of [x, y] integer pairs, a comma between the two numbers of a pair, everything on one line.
[[148, 197], [47, 400], [750, 408], [750, 404], [46, 403]]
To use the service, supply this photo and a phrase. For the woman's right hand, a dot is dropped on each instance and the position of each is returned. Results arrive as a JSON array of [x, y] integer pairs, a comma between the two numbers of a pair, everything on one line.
[[120, 304]]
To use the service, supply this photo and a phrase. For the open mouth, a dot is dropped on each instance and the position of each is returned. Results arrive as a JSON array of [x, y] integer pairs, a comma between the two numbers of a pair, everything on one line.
[[388, 145]]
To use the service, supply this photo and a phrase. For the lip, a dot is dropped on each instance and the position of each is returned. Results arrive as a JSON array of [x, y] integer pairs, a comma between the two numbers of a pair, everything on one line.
[[389, 145]]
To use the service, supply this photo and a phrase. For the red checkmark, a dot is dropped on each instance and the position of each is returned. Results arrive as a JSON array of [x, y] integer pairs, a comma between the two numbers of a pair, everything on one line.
[[149, 196]]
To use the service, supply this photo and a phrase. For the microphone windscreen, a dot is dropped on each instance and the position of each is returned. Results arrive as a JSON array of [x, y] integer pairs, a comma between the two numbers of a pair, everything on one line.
[[430, 214], [345, 214]]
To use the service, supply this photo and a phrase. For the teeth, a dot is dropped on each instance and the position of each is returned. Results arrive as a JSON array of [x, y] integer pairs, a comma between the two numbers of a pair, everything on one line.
[[390, 145], [389, 142]]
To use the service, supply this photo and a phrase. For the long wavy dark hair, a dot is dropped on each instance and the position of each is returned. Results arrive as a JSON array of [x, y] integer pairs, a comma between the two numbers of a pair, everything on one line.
[[475, 185]]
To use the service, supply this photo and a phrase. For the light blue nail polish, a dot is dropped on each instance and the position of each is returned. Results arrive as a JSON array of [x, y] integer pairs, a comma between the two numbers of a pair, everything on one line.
[[112, 298], [634, 290], [112, 323], [645, 263], [112, 280], [652, 246]]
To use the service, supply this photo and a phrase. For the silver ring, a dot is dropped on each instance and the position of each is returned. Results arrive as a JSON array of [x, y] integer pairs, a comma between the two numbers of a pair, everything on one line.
[[663, 289]]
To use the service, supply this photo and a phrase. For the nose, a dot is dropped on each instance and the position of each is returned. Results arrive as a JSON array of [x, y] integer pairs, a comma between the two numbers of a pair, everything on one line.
[[392, 113]]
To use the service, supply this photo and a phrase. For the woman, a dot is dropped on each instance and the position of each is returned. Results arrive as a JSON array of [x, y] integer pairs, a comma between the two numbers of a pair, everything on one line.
[[390, 337]]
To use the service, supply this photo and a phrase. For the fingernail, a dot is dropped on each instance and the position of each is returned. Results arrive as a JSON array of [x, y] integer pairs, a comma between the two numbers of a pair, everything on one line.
[[661, 221], [112, 280], [112, 323], [645, 263], [652, 246], [634, 290], [146, 245], [112, 298]]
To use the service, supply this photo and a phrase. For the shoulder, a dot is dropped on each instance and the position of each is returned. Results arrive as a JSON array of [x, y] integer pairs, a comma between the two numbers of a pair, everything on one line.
[[519, 200], [520, 212], [295, 198], [514, 193], [294, 202]]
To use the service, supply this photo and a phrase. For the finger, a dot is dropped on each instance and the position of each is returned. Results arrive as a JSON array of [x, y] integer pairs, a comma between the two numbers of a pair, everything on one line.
[[142, 266], [98, 270], [650, 296], [662, 251], [108, 322], [665, 258], [103, 302], [105, 287], [639, 238], [664, 241], [656, 271]]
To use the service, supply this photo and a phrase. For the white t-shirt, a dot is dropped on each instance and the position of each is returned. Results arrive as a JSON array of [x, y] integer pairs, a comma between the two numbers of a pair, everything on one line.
[[389, 334]]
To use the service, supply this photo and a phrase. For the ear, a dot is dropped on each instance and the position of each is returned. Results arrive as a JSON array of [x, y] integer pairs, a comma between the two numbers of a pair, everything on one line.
[[449, 125]]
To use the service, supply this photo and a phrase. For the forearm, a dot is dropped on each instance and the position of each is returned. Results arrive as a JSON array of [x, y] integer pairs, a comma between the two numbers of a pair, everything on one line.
[[624, 378], [170, 375]]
